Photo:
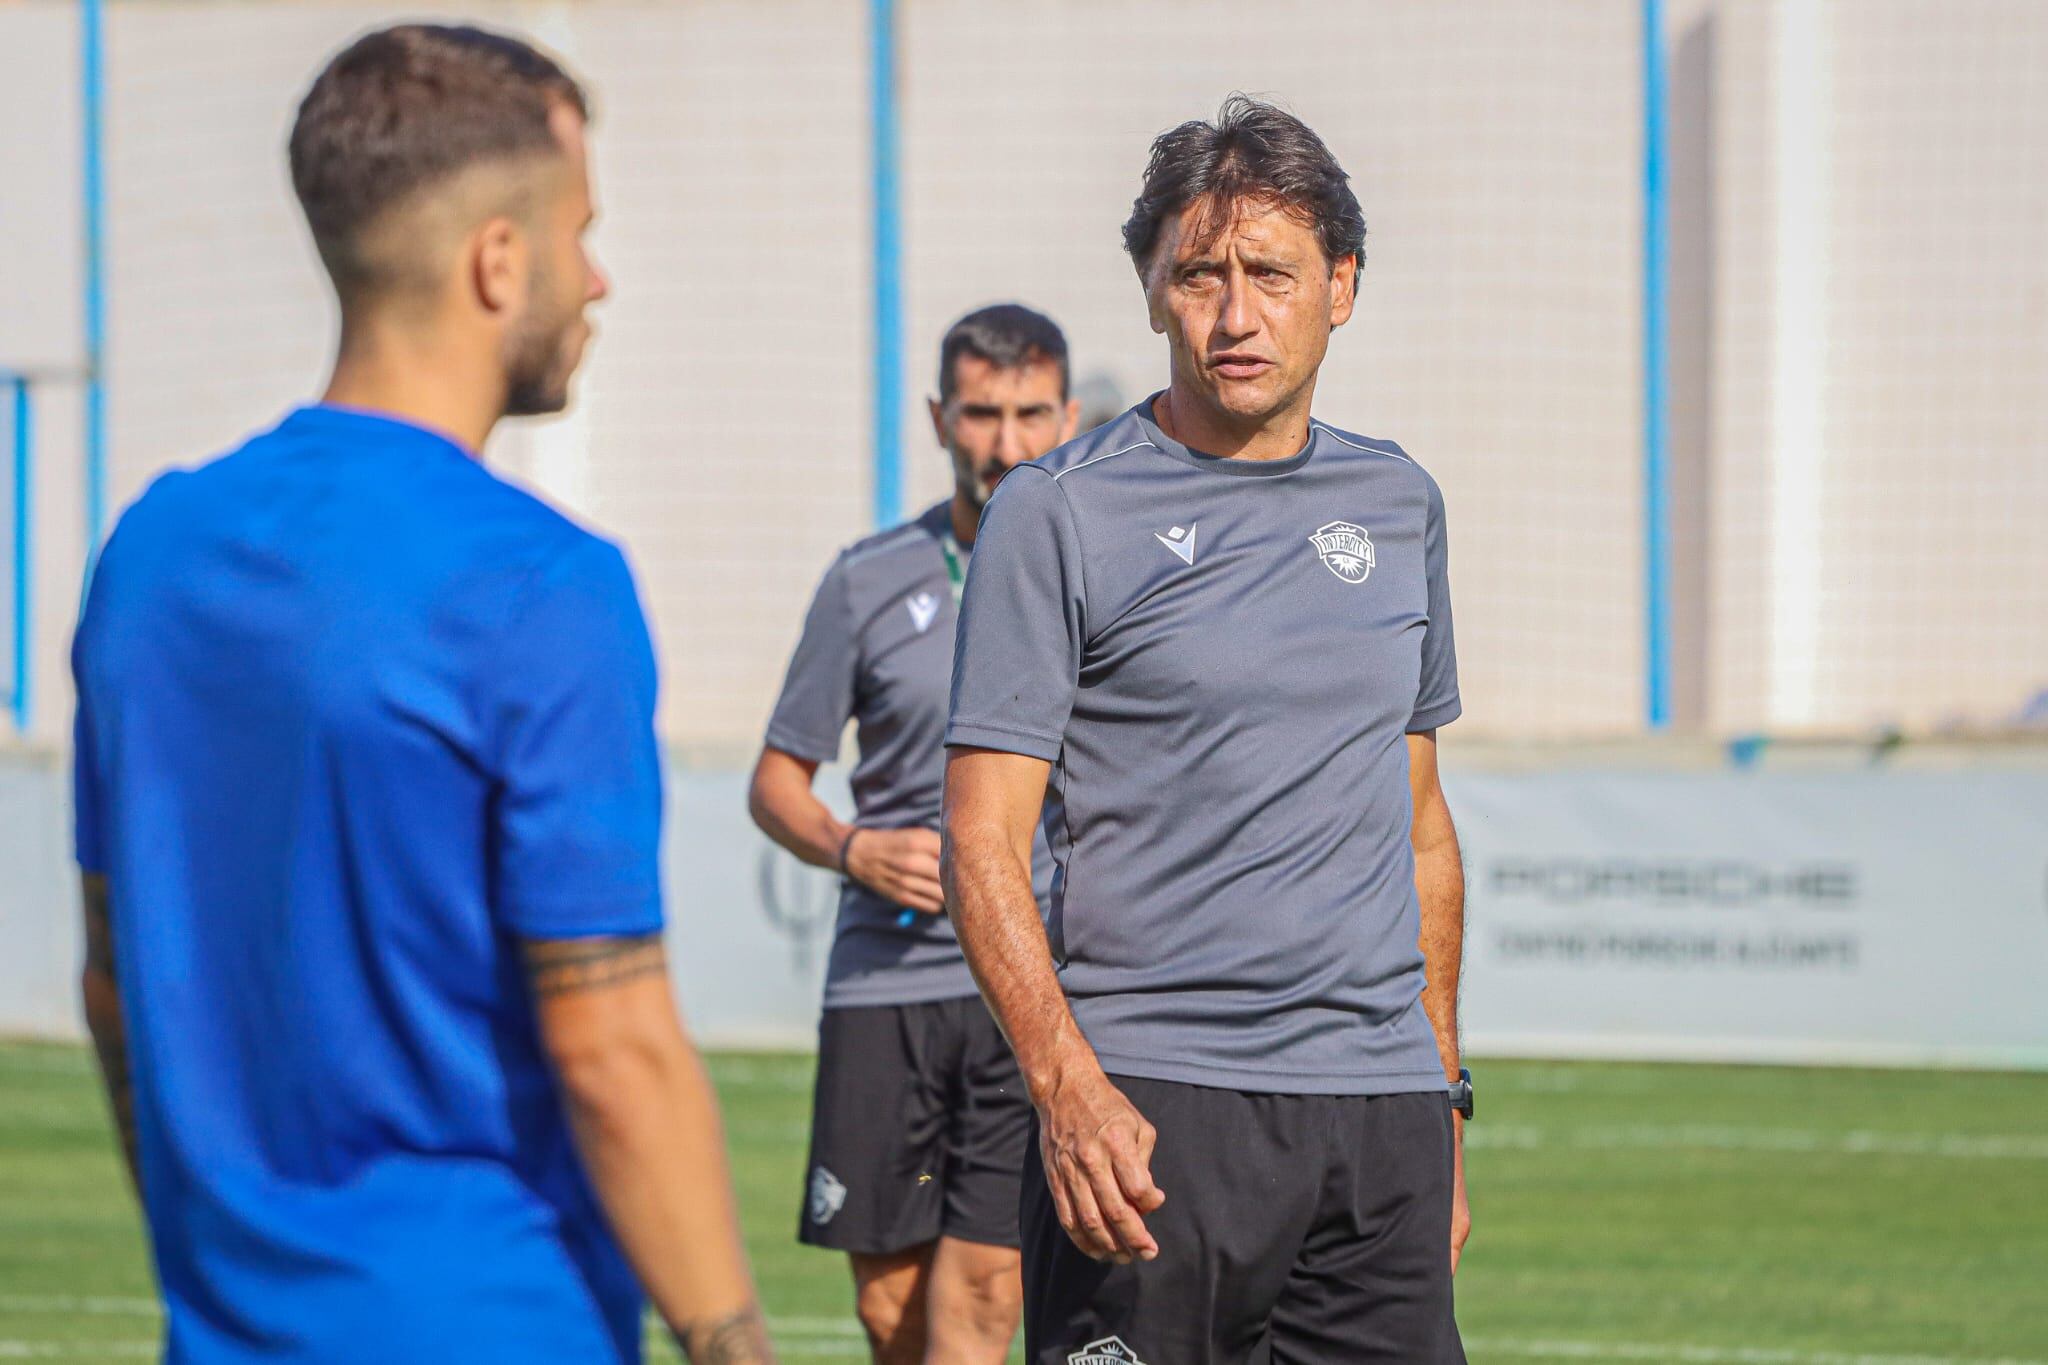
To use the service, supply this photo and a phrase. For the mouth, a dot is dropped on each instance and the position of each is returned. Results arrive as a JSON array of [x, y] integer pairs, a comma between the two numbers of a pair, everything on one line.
[[1239, 365]]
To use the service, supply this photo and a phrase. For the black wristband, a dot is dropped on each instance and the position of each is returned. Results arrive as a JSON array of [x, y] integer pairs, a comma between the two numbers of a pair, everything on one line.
[[1461, 1093], [845, 844]]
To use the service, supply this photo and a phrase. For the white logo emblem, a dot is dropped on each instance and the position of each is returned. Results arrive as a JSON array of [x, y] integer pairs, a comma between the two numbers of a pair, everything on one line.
[[827, 1195], [1108, 1351], [924, 609], [1346, 550], [1180, 540]]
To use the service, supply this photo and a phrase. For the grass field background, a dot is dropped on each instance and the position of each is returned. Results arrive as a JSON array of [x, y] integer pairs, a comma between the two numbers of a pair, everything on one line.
[[1694, 1214]]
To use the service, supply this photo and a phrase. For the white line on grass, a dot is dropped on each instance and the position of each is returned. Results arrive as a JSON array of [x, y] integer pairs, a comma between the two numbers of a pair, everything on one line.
[[1707, 1355], [94, 1305], [1798, 1141], [841, 1336], [58, 1350]]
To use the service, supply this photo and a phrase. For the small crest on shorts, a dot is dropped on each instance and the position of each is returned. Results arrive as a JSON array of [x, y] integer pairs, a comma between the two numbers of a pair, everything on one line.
[[1346, 550], [924, 609], [1108, 1351], [827, 1195]]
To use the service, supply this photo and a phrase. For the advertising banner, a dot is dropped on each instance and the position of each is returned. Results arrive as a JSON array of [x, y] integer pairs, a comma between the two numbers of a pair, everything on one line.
[[1881, 916], [1888, 916]]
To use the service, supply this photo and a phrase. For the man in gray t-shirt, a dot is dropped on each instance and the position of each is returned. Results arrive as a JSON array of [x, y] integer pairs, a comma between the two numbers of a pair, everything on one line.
[[920, 1125], [1214, 635]]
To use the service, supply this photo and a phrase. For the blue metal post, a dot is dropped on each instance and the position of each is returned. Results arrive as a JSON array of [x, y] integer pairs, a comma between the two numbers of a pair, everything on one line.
[[91, 18], [24, 449], [1656, 376], [888, 266]]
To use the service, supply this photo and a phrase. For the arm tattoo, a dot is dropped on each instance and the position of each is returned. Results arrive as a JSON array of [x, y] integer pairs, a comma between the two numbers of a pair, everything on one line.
[[565, 966], [103, 1013], [741, 1339]]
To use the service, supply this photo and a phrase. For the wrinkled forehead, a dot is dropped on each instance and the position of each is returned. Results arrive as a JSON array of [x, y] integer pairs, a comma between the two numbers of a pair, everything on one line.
[[980, 382], [1216, 225]]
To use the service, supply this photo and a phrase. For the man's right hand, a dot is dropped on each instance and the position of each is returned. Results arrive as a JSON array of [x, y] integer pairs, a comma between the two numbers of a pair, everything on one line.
[[899, 865], [1097, 1150]]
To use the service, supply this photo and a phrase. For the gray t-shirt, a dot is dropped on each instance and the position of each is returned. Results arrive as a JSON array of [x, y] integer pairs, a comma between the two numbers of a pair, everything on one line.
[[877, 648], [1221, 658]]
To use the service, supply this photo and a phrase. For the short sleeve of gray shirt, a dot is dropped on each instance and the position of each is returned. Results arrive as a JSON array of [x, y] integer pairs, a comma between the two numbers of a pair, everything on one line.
[[1221, 660], [1014, 693], [877, 649], [817, 693]]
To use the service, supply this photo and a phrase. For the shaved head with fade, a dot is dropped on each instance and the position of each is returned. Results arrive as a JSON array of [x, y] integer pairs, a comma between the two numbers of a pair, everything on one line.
[[410, 137]]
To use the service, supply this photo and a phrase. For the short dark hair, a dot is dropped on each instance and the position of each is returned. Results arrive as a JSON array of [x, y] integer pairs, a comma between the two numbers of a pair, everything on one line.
[[1007, 336], [406, 107], [1254, 152]]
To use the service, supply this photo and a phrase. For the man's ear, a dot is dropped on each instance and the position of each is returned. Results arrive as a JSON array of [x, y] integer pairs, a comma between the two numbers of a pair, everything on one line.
[[1070, 424], [938, 412], [1154, 313], [1343, 291], [501, 265]]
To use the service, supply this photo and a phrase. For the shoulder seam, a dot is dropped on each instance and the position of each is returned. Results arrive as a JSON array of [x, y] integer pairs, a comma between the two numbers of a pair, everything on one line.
[[1370, 450], [1135, 445], [876, 544]]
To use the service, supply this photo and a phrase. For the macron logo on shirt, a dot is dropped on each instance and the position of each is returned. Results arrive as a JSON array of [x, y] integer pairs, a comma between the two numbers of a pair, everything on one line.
[[924, 609], [1180, 540]]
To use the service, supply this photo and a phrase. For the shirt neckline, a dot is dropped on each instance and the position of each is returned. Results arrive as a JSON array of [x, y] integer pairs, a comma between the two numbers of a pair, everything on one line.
[[336, 415], [1220, 464]]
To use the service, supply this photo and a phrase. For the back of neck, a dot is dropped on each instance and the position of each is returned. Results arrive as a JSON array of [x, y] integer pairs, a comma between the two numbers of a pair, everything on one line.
[[418, 380]]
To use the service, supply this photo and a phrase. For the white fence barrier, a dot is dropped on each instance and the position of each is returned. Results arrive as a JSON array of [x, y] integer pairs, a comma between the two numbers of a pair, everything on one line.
[[1879, 916]]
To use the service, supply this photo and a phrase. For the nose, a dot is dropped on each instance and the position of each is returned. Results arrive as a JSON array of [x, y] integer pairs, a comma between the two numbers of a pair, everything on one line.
[[1239, 317], [1010, 441]]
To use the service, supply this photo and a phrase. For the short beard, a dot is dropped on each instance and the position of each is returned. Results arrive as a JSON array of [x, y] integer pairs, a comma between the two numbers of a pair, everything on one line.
[[536, 375], [968, 484], [537, 364]]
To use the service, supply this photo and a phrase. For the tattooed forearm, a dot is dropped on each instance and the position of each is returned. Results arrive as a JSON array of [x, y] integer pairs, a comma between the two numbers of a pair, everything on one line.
[[103, 1013], [562, 966], [741, 1339]]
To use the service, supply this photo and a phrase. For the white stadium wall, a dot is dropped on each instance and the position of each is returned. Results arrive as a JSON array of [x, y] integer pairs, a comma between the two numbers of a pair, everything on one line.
[[1858, 311], [1859, 331]]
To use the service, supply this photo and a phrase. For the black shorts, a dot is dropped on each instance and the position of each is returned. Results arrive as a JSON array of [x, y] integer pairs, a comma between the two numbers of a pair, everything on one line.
[[1297, 1230], [919, 1129]]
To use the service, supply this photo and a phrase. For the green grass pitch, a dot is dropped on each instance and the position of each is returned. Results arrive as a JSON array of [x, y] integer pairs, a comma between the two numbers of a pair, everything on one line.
[[1692, 1214]]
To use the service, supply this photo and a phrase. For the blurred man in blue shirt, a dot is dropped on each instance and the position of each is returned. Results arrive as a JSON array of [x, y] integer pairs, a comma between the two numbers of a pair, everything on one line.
[[369, 802]]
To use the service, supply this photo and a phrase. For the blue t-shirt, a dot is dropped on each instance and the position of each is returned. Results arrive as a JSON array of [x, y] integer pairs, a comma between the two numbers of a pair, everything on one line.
[[355, 717]]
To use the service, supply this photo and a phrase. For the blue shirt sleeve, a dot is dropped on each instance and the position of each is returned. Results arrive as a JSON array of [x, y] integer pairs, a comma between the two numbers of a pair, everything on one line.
[[88, 802], [576, 823], [817, 693], [1017, 664], [1436, 694]]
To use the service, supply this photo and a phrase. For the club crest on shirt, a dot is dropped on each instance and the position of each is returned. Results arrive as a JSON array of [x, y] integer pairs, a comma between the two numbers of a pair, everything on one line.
[[924, 609], [1346, 550], [1108, 1351], [827, 1195]]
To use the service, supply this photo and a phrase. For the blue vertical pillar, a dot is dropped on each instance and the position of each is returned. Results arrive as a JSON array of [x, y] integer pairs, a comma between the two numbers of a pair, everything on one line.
[[888, 265], [92, 61], [1656, 376], [24, 445]]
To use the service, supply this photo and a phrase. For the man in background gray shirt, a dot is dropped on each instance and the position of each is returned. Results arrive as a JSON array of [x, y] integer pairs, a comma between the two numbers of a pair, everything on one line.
[[920, 1126], [1220, 630]]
